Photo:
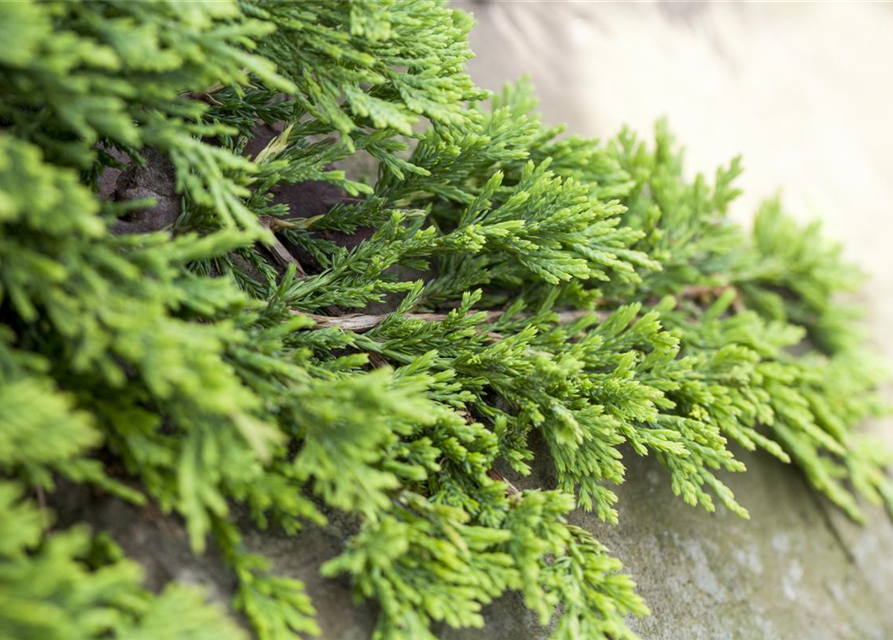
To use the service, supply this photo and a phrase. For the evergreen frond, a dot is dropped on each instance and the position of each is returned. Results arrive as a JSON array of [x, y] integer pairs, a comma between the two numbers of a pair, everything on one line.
[[204, 306]]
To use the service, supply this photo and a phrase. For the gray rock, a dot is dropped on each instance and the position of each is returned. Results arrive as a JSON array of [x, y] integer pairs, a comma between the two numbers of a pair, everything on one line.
[[796, 569]]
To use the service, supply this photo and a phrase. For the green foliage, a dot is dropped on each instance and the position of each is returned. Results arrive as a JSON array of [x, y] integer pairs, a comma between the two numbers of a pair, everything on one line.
[[491, 285], [66, 586]]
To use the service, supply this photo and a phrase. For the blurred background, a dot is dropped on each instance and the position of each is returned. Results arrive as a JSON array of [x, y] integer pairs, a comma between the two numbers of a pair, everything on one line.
[[803, 90]]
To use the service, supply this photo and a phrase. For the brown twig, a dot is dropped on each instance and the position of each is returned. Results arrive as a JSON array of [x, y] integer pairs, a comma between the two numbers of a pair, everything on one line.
[[42, 507], [275, 224], [361, 323], [282, 255], [510, 489], [376, 360], [704, 292]]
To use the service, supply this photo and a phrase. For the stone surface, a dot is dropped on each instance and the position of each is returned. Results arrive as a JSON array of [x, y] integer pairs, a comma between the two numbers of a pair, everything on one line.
[[785, 573], [796, 569]]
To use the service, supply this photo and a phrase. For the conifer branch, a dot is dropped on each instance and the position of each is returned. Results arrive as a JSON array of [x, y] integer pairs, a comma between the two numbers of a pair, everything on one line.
[[119, 339]]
